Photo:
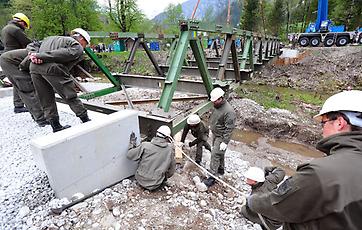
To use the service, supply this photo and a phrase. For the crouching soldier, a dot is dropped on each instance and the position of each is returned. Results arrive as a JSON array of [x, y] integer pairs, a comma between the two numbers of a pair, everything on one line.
[[200, 132], [156, 160], [262, 182], [21, 81], [51, 62]]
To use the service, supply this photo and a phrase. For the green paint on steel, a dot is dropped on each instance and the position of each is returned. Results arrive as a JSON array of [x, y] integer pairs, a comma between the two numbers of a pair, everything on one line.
[[99, 93], [247, 53], [174, 72], [201, 64], [102, 67], [178, 125]]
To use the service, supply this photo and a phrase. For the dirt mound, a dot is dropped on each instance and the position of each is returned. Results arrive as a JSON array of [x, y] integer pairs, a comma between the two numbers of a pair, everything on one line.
[[318, 69], [276, 123]]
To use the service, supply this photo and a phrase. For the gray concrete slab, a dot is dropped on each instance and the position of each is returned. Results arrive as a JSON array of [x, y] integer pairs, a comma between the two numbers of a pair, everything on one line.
[[6, 92], [88, 156]]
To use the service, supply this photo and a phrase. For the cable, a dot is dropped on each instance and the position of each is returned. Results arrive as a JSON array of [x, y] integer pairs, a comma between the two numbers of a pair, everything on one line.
[[206, 171]]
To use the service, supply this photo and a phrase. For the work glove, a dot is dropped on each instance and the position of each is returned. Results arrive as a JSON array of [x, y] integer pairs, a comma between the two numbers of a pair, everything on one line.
[[223, 146]]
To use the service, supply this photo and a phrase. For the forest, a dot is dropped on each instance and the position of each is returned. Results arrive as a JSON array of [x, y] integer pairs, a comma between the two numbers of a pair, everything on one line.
[[272, 17]]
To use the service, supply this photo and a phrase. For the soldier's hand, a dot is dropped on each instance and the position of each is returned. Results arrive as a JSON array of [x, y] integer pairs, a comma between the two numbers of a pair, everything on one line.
[[34, 59]]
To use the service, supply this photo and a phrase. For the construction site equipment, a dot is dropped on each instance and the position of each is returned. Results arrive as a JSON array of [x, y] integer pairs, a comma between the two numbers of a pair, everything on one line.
[[323, 31]]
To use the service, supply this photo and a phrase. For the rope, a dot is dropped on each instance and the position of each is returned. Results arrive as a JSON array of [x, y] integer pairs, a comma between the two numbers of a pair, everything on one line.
[[208, 173]]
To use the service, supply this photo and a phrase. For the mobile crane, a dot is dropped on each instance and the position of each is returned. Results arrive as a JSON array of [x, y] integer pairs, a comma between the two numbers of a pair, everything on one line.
[[323, 31]]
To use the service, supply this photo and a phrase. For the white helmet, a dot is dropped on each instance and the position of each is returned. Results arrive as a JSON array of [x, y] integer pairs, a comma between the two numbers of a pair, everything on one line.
[[216, 94], [193, 119], [256, 174], [343, 101], [82, 32], [163, 131]]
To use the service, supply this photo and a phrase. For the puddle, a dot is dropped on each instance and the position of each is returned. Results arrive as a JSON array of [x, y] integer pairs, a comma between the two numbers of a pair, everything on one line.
[[247, 137], [250, 137], [296, 148]]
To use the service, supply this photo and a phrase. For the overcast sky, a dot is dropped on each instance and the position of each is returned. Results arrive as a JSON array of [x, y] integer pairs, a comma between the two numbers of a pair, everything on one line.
[[151, 7]]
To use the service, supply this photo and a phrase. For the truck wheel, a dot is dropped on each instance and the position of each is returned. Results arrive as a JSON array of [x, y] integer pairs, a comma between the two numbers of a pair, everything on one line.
[[304, 42], [315, 41], [328, 42], [360, 39], [342, 41]]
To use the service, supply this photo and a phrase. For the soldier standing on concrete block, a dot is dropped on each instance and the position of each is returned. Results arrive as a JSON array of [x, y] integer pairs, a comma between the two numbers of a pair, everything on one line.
[[262, 181], [200, 132], [14, 37], [52, 59], [325, 193], [21, 80], [156, 160], [222, 123]]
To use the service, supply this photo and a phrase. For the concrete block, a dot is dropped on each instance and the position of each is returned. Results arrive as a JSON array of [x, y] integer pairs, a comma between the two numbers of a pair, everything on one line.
[[6, 92], [88, 156]]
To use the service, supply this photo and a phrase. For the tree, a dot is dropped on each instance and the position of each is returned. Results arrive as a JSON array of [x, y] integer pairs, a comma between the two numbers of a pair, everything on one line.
[[249, 19], [4, 12], [125, 14], [58, 17], [276, 18], [173, 15], [209, 15], [348, 13]]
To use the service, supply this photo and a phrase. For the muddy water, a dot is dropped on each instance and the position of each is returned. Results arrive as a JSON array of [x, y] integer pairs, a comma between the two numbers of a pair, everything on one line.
[[250, 137]]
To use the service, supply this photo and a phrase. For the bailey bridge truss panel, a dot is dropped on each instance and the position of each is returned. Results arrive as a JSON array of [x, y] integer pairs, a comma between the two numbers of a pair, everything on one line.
[[230, 64]]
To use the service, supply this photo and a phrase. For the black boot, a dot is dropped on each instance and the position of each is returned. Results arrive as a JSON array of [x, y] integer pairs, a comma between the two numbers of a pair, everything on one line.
[[57, 126], [221, 171], [84, 117], [20, 109], [43, 123], [209, 181]]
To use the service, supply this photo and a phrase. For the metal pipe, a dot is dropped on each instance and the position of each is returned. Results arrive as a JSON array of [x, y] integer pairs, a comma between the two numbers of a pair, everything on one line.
[[195, 8]]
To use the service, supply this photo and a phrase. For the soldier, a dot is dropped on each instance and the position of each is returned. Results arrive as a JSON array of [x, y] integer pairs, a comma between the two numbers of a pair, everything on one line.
[[51, 62], [21, 81], [14, 37], [325, 193], [200, 132], [222, 123], [156, 160], [262, 181]]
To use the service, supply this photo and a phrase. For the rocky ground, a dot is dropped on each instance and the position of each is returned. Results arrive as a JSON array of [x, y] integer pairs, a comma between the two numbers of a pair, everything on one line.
[[26, 196], [317, 69]]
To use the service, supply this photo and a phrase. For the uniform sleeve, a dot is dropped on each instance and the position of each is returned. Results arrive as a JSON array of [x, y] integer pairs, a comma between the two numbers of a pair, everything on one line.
[[298, 199], [22, 38], [135, 153], [62, 55], [274, 175], [33, 47], [229, 122], [172, 168], [184, 132]]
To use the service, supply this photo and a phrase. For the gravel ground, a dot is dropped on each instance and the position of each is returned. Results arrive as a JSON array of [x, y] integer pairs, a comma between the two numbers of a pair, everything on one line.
[[26, 197]]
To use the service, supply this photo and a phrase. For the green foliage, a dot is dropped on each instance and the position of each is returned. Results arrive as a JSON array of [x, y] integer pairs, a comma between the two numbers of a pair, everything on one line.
[[249, 20], [173, 15], [347, 12], [125, 14], [58, 17], [4, 12], [276, 17], [116, 62]]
